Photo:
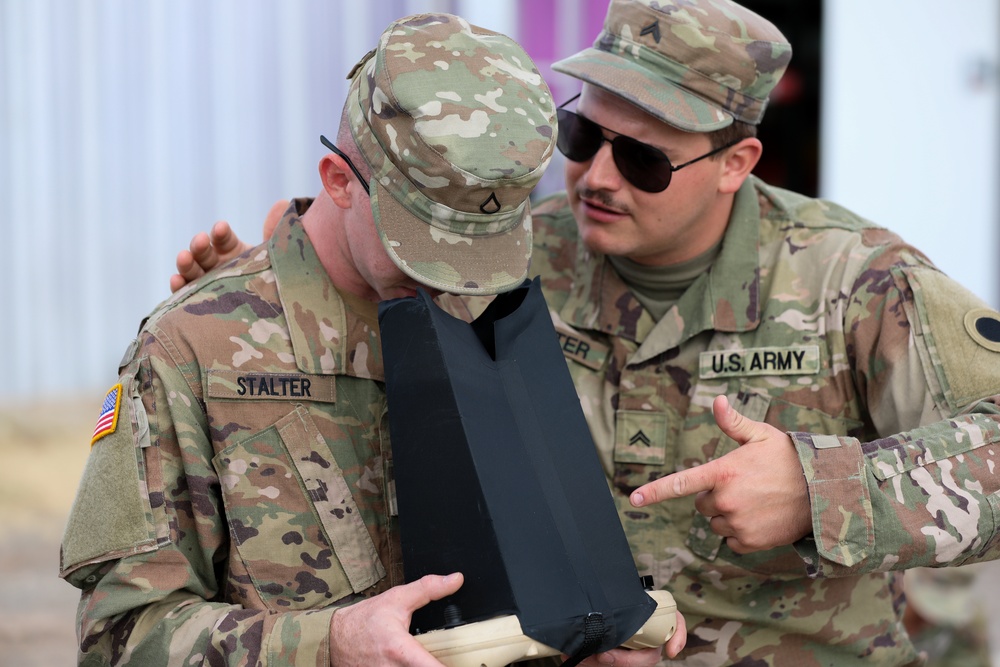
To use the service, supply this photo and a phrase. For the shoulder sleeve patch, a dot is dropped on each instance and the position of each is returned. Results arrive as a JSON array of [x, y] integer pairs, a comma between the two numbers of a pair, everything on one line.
[[960, 336], [111, 515]]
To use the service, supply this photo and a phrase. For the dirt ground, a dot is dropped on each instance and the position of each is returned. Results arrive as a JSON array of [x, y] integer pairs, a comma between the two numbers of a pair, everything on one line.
[[43, 448]]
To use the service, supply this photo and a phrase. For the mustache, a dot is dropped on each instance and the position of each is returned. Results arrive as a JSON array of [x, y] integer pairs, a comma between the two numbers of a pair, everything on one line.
[[602, 198]]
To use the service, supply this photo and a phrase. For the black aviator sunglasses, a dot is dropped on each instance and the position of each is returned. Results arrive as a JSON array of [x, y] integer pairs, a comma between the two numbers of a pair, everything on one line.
[[644, 166]]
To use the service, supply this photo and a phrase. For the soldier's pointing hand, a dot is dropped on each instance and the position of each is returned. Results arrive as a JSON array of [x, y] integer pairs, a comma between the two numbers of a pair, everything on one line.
[[755, 495]]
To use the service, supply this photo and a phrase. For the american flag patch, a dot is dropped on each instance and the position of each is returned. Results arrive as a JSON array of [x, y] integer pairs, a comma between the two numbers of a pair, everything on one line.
[[108, 420]]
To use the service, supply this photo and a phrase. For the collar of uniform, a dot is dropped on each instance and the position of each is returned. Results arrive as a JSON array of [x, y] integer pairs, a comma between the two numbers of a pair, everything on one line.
[[726, 299], [328, 336], [733, 296], [599, 299]]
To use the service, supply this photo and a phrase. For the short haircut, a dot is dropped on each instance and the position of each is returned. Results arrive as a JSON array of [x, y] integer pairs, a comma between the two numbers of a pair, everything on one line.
[[731, 134]]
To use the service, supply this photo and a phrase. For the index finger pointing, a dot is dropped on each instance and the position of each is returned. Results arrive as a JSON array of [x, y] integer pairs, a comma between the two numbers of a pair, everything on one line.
[[676, 485]]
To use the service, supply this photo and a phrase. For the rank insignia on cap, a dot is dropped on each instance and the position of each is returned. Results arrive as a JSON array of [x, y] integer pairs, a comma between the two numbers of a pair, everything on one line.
[[108, 419], [652, 29]]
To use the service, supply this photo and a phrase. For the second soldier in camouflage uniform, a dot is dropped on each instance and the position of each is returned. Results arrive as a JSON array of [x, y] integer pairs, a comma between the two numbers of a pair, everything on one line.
[[237, 493], [822, 325]]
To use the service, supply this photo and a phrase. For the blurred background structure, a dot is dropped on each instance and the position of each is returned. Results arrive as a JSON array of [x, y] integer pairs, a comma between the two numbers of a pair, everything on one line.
[[127, 126]]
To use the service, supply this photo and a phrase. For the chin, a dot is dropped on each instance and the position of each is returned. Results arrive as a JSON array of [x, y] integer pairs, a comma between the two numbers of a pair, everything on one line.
[[598, 239], [397, 292]]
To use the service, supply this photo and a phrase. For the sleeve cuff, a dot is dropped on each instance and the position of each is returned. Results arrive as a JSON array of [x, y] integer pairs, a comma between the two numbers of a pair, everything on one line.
[[301, 639], [843, 526]]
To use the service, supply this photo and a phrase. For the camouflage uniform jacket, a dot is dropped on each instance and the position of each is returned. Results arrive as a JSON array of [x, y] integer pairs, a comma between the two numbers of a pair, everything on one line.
[[831, 329], [242, 495]]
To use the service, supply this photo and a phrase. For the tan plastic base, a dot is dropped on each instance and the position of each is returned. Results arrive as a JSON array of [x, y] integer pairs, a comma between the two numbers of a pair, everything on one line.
[[500, 641]]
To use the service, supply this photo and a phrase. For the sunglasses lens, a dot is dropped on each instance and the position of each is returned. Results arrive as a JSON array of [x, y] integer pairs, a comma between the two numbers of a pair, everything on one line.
[[579, 139], [642, 165]]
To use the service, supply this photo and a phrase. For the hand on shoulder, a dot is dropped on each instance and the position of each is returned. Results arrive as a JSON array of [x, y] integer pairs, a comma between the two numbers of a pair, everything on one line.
[[220, 245]]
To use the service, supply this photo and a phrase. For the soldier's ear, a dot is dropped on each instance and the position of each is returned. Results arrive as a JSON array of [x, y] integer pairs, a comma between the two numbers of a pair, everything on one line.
[[338, 179], [738, 162]]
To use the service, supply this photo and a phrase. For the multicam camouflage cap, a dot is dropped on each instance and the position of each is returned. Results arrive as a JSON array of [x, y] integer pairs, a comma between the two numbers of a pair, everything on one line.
[[457, 126], [694, 64]]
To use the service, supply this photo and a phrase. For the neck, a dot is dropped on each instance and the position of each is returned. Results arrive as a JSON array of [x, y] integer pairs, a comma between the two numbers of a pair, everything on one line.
[[324, 224], [657, 288]]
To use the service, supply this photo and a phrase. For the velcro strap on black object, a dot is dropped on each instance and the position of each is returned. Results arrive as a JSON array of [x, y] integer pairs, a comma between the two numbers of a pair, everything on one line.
[[593, 633]]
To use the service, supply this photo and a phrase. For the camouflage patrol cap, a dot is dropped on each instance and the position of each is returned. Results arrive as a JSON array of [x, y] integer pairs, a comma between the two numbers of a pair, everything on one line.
[[458, 126], [694, 64]]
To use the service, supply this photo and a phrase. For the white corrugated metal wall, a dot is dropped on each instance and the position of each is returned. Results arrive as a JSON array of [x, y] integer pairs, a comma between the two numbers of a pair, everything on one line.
[[126, 126], [911, 126]]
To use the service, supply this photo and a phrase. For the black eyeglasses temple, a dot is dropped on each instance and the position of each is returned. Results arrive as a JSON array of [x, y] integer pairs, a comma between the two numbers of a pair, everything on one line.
[[708, 154], [361, 179], [568, 101]]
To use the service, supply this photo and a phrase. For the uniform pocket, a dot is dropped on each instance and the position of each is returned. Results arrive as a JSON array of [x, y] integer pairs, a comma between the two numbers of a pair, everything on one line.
[[293, 519], [753, 405], [756, 404]]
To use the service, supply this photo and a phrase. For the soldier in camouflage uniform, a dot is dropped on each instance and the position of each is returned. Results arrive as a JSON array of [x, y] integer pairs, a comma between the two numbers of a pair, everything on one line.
[[237, 494], [865, 434], [845, 352]]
